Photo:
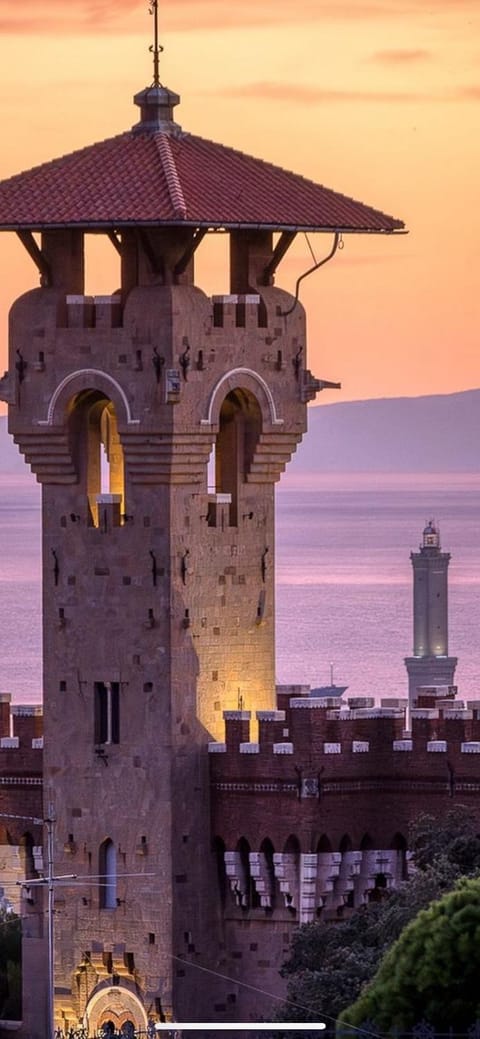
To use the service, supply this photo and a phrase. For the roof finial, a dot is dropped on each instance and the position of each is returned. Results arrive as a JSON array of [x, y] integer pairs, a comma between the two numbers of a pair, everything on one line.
[[155, 48]]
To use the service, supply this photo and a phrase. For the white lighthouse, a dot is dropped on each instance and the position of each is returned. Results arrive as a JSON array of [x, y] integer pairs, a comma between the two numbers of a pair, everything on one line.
[[430, 664]]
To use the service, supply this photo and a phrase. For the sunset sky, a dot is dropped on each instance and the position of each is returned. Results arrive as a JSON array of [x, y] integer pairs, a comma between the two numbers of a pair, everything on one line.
[[379, 99]]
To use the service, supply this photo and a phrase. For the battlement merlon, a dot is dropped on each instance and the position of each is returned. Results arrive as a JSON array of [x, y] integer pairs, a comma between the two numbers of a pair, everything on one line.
[[314, 729], [19, 723]]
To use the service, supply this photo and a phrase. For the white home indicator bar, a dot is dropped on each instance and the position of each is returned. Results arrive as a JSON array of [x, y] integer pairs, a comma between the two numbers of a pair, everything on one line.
[[182, 1026]]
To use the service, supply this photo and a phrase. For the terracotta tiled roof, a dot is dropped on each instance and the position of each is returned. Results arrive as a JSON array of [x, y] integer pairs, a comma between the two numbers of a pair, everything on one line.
[[176, 178]]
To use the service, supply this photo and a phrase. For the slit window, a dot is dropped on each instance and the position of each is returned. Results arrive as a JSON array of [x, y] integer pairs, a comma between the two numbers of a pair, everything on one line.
[[107, 713], [108, 875]]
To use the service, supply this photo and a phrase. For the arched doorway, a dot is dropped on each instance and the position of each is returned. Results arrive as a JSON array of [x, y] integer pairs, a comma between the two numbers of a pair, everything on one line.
[[117, 1007]]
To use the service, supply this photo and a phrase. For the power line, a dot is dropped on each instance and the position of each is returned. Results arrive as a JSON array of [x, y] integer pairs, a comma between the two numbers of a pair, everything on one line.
[[271, 995]]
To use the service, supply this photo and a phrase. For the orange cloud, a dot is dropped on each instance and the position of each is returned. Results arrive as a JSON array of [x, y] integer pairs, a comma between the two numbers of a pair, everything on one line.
[[471, 93], [400, 57]]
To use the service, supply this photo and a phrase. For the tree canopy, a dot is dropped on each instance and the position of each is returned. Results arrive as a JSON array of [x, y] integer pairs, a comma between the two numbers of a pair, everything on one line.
[[331, 964], [432, 971]]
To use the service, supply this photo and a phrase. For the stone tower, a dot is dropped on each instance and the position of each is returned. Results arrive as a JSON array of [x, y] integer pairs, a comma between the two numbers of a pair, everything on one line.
[[430, 663], [158, 606]]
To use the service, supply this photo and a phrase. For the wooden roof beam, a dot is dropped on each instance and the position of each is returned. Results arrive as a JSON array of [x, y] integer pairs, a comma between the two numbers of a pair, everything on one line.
[[284, 243], [38, 257]]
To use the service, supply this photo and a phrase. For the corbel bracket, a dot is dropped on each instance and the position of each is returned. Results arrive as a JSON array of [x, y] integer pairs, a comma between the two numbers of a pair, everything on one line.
[[155, 262], [284, 243], [39, 259], [116, 242], [192, 246]]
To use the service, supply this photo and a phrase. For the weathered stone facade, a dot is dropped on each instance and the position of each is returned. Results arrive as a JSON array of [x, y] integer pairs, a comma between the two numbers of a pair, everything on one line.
[[158, 599], [158, 589]]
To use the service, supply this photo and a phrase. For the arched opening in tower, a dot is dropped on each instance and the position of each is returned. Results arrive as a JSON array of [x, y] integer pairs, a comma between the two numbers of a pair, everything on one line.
[[240, 425], [100, 456]]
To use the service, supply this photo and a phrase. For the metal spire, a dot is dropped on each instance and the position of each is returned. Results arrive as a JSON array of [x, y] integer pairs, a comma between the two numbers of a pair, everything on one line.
[[155, 48]]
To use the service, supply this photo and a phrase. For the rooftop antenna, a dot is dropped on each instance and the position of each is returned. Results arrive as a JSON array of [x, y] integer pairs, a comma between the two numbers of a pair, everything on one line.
[[155, 48]]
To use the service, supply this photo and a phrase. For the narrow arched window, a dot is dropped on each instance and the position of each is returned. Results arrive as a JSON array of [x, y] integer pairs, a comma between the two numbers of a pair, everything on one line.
[[107, 713], [99, 452], [108, 875], [240, 425]]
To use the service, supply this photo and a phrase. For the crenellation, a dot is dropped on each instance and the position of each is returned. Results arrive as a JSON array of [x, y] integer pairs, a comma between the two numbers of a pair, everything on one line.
[[27, 722]]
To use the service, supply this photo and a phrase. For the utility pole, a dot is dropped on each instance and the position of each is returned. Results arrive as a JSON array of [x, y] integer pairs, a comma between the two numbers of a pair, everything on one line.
[[49, 882]]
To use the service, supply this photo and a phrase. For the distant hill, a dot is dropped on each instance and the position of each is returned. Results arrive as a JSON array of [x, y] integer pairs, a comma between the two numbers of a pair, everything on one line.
[[397, 434]]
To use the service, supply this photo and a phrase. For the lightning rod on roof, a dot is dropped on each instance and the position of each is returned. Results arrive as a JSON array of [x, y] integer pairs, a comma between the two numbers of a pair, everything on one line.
[[155, 48]]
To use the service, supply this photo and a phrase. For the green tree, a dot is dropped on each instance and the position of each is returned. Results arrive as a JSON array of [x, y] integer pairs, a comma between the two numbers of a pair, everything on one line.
[[432, 971], [453, 839], [330, 964]]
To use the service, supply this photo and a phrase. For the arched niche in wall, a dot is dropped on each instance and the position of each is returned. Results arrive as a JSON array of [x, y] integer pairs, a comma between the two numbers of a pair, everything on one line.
[[345, 844], [267, 851], [107, 870], [240, 425], [97, 448], [323, 844]]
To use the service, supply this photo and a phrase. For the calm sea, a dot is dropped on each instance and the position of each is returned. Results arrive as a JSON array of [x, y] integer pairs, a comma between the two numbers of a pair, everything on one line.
[[343, 579]]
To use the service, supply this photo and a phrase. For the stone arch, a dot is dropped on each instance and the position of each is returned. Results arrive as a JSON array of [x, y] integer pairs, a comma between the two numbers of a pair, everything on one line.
[[323, 844], [267, 850], [79, 381], [248, 380], [366, 843], [400, 846], [345, 844], [249, 893], [288, 872], [96, 448], [117, 1004], [240, 422]]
